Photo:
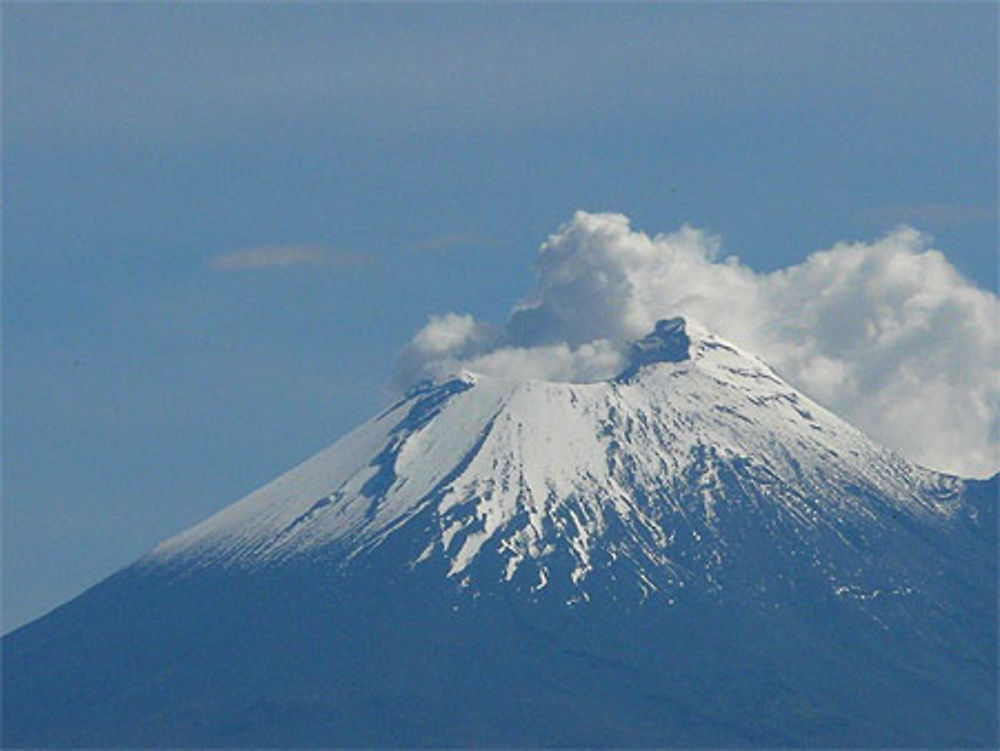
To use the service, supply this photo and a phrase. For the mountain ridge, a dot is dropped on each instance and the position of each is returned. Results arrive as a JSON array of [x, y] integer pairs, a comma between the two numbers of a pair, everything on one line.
[[689, 554], [509, 447]]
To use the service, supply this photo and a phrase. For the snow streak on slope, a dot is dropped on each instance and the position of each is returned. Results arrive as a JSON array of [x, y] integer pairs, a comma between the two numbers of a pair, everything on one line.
[[573, 477]]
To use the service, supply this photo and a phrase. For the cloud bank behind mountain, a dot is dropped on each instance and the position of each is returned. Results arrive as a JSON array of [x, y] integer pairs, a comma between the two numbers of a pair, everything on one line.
[[885, 333]]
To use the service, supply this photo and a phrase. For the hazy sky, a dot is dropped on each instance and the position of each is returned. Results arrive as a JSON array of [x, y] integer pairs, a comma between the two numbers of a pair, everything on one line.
[[222, 223]]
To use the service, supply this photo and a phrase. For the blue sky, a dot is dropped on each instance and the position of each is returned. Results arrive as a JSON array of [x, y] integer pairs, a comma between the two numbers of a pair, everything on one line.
[[223, 222]]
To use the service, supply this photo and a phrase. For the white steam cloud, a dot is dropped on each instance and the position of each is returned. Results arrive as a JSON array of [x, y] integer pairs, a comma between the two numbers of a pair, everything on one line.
[[887, 334]]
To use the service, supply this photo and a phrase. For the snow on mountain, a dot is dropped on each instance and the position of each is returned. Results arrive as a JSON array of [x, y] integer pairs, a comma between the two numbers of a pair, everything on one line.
[[569, 477], [691, 554]]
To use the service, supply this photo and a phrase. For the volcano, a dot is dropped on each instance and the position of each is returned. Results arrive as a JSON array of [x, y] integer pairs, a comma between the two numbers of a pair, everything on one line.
[[690, 554]]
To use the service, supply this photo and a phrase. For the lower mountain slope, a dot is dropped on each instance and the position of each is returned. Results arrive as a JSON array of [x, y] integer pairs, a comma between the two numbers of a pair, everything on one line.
[[691, 554]]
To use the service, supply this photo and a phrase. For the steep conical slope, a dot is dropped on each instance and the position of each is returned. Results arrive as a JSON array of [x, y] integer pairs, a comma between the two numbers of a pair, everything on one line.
[[690, 554]]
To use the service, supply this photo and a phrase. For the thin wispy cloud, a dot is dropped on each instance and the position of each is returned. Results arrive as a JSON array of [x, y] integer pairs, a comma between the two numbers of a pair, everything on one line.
[[934, 215], [284, 256], [448, 242]]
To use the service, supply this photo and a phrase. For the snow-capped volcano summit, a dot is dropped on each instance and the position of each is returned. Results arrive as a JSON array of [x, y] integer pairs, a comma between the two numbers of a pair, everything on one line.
[[529, 477], [690, 553]]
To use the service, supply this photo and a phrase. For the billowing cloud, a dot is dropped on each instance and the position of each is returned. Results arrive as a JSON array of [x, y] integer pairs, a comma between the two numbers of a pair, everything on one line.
[[280, 256], [886, 333]]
